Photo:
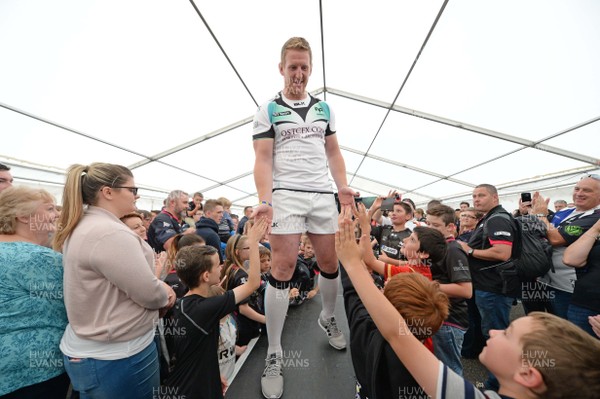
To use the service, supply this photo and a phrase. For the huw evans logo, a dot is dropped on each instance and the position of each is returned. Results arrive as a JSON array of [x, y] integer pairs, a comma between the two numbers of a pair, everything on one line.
[[412, 393], [45, 290], [294, 359], [416, 327], [45, 359], [170, 327], [538, 358], [164, 392]]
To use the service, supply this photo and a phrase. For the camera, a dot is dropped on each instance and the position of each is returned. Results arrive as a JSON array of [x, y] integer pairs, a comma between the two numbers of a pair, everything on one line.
[[388, 203], [525, 197], [367, 201]]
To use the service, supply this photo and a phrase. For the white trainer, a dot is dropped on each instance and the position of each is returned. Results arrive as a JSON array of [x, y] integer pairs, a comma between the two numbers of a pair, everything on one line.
[[336, 337]]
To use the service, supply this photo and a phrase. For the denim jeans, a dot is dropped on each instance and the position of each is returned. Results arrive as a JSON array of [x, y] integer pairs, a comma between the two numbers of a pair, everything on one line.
[[559, 304], [447, 346], [579, 316], [474, 340], [134, 377], [494, 310], [536, 297]]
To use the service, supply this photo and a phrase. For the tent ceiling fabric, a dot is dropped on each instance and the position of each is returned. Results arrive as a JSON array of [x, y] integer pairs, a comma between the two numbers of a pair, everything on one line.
[[430, 97]]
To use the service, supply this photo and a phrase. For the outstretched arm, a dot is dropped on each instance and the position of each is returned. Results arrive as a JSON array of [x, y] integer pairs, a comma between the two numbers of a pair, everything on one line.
[[540, 207], [577, 253], [369, 258], [337, 167], [421, 363], [263, 178], [245, 290]]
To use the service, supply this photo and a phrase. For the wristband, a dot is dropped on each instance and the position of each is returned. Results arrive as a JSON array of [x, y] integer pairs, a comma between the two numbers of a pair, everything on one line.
[[266, 203]]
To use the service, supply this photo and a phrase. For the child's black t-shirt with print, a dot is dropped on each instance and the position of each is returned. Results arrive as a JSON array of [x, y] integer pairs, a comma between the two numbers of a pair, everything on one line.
[[195, 329]]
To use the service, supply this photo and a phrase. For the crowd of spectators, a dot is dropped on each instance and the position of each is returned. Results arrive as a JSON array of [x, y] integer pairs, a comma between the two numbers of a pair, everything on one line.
[[98, 284]]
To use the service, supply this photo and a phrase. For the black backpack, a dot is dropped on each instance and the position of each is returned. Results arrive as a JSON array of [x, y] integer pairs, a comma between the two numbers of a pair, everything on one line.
[[531, 252]]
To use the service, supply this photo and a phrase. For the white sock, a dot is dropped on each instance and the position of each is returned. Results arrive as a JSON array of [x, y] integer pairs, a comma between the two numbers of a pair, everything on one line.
[[276, 307], [328, 289]]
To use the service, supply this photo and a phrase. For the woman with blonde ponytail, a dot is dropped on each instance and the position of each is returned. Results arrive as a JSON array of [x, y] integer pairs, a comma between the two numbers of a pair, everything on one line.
[[111, 294]]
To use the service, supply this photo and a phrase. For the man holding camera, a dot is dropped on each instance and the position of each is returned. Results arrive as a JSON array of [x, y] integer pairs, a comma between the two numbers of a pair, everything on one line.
[[525, 204]]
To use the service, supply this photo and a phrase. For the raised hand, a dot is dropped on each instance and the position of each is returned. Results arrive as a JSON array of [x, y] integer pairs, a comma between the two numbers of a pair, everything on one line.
[[263, 211], [258, 230], [346, 196], [345, 241], [364, 221], [379, 200], [539, 204]]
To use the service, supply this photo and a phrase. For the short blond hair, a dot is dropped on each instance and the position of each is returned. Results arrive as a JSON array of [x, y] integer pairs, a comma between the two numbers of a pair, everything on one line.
[[211, 205], [224, 202], [18, 201], [305, 239], [296, 43]]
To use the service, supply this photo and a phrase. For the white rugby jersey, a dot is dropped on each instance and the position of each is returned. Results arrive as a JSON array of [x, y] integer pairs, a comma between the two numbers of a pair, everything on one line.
[[298, 128]]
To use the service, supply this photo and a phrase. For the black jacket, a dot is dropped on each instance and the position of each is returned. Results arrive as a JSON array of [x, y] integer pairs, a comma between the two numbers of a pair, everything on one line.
[[378, 370], [209, 230], [240, 229]]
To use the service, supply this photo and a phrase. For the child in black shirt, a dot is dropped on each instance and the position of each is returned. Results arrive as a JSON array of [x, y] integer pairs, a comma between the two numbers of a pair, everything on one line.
[[196, 372]]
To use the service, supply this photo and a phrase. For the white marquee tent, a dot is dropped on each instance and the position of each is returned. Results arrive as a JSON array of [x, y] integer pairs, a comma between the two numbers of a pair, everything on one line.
[[431, 97]]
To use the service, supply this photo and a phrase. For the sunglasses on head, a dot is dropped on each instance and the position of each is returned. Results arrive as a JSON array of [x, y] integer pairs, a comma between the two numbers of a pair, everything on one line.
[[594, 176]]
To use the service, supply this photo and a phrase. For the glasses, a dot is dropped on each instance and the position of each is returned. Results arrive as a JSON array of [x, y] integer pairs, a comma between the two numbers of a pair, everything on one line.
[[463, 215], [594, 176], [134, 190]]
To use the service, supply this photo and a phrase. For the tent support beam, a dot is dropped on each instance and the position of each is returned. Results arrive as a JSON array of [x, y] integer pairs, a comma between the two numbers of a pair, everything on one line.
[[403, 165], [476, 129]]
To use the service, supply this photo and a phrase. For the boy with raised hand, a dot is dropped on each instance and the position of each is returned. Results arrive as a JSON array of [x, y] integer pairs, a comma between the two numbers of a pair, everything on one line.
[[379, 372], [196, 316], [422, 248], [532, 358]]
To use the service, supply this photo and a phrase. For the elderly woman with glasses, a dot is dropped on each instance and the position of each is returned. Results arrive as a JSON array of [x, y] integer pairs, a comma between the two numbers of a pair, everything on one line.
[[33, 316], [111, 293]]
